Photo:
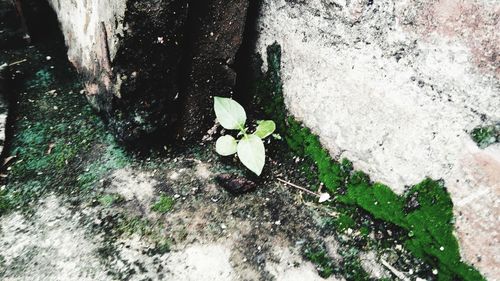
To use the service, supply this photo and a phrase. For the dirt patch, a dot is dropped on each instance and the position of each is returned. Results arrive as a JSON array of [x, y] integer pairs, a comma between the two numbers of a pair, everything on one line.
[[49, 245], [211, 234]]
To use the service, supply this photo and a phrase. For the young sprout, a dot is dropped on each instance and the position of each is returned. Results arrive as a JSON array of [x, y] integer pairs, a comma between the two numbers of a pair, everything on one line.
[[249, 147]]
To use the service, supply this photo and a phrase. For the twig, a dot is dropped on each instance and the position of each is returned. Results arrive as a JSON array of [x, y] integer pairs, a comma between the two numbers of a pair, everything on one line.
[[17, 62], [7, 160], [394, 271], [298, 187]]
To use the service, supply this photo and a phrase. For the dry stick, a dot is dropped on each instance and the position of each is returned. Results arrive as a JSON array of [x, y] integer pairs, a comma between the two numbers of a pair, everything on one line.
[[18, 62], [396, 272], [298, 187]]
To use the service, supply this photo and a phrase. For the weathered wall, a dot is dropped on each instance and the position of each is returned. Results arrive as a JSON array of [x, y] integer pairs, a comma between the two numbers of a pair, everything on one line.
[[83, 23], [151, 66], [129, 54], [396, 87]]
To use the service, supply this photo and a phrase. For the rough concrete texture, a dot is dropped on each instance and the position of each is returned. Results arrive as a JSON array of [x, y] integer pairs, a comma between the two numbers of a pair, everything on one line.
[[60, 241], [396, 87], [50, 246]]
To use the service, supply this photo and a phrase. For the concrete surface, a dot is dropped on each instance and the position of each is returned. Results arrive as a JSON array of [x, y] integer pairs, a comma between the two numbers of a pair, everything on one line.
[[396, 87]]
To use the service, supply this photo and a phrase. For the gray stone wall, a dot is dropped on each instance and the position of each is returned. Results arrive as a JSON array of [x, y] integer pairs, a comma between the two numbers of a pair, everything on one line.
[[397, 87]]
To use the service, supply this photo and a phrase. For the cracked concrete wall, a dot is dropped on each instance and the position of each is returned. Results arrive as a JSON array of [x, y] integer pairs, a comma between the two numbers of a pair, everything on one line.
[[396, 87]]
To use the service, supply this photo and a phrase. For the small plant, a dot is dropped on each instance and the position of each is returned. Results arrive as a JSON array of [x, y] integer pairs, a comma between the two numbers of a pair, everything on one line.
[[250, 148]]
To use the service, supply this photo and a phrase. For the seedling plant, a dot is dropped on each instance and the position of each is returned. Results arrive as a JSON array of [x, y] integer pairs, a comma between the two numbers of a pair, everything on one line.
[[248, 146]]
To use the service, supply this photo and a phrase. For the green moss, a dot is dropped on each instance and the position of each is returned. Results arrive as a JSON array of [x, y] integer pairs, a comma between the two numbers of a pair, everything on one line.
[[164, 204], [485, 136], [5, 203], [425, 212], [365, 231], [43, 78], [429, 225], [135, 225], [107, 200], [161, 247], [56, 132], [114, 157], [321, 260], [153, 231], [344, 222], [352, 269]]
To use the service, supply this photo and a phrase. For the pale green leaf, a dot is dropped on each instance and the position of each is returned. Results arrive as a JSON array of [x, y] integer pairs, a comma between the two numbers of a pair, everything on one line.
[[226, 145], [265, 129], [230, 114], [252, 153]]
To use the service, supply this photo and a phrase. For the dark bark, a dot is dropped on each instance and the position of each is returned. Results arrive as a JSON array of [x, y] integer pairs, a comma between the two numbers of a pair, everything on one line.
[[216, 33], [174, 56], [149, 102]]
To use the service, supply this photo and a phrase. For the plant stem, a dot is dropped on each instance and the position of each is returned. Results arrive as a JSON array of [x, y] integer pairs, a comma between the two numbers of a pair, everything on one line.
[[298, 187]]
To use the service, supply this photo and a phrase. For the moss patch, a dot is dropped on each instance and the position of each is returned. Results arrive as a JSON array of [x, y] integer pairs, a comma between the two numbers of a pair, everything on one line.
[[320, 258], [424, 212], [113, 157], [485, 136], [60, 145], [107, 200], [164, 204]]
